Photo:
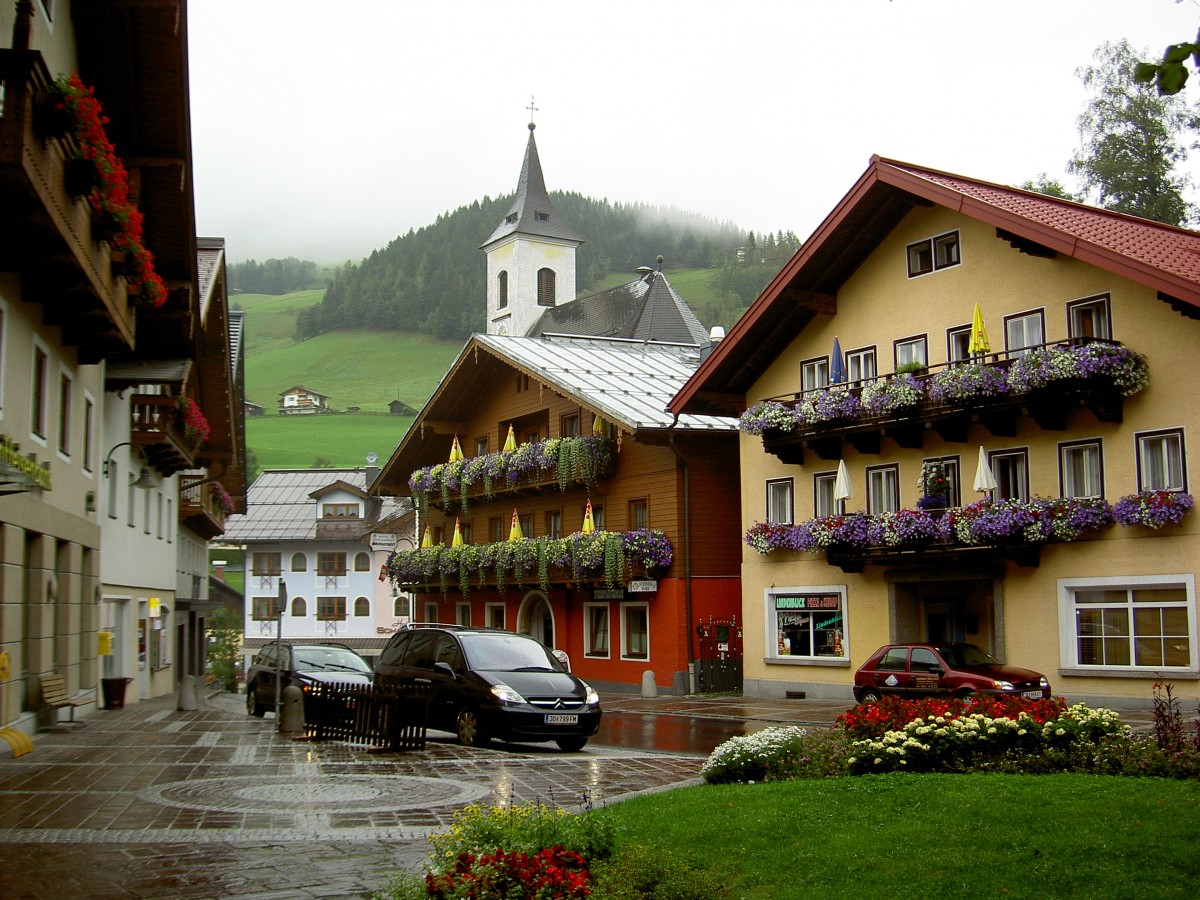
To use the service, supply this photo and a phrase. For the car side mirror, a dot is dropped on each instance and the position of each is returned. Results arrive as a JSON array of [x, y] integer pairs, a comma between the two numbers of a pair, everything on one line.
[[443, 668]]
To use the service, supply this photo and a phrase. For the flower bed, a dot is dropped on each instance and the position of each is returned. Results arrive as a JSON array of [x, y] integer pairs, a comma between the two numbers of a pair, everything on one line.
[[577, 557]]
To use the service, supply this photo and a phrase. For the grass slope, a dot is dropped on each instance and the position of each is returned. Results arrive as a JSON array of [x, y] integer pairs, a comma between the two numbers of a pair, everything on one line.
[[302, 442]]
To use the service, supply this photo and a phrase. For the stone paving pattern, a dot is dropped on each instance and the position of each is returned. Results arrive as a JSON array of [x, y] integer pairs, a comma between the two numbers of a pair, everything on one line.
[[150, 802]]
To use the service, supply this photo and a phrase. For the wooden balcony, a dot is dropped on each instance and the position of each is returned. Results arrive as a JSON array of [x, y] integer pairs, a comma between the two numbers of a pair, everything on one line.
[[47, 234], [157, 429], [980, 557], [200, 506], [908, 428]]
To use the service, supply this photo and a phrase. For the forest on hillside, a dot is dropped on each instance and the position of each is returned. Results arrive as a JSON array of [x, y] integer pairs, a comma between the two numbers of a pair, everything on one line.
[[432, 280]]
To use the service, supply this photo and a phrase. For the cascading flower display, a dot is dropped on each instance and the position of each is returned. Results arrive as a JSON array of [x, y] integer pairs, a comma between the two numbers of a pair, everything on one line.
[[1154, 509]]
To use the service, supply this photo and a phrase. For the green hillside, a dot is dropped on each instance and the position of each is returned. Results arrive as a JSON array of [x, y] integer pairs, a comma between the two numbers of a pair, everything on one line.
[[339, 440]]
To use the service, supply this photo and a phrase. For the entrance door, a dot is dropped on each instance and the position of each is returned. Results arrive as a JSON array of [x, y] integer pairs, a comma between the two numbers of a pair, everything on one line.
[[944, 621], [537, 620]]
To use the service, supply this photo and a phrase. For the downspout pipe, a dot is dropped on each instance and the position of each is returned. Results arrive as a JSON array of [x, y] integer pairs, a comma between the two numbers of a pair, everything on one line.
[[687, 539]]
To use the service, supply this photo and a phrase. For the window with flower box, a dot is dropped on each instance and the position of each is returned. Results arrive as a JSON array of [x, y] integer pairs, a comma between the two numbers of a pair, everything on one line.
[[1090, 318], [553, 523], [958, 343], [911, 352], [1010, 468], [481, 446], [780, 501], [639, 514], [1023, 331], [569, 426], [823, 502], [526, 522], [595, 630], [950, 469], [1140, 624], [1080, 469], [860, 365], [598, 516], [331, 609], [1161, 465], [814, 374], [635, 631], [495, 530], [807, 623]]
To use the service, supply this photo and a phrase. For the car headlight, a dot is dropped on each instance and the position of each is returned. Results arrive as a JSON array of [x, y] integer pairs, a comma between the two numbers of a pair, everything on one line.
[[1002, 685], [592, 699], [1045, 683], [506, 695]]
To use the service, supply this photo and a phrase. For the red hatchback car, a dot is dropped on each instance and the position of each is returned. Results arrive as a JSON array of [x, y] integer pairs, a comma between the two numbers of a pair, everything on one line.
[[944, 669]]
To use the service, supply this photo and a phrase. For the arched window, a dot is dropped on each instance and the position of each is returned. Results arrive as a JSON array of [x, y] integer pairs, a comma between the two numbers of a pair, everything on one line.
[[362, 562], [362, 607], [545, 281], [299, 607], [502, 289], [299, 562], [400, 607]]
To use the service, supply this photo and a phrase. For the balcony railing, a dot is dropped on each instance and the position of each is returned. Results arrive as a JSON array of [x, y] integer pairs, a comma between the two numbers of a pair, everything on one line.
[[157, 428], [1044, 383], [47, 233], [201, 506]]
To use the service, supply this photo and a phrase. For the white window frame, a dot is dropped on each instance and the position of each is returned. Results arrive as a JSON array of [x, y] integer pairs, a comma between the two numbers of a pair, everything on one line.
[[1091, 453], [1099, 311], [781, 501], [1000, 456], [883, 489], [588, 608], [89, 432], [64, 413], [462, 613], [823, 483], [772, 632], [814, 374], [489, 615], [1177, 474], [910, 350], [1017, 337], [626, 609], [958, 343], [862, 366], [39, 417], [1069, 640], [431, 611]]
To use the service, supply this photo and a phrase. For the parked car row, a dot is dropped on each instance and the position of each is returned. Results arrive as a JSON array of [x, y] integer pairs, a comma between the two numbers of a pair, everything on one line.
[[484, 683]]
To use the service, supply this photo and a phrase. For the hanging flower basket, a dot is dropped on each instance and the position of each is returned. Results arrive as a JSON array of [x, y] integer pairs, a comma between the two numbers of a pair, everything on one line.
[[1154, 509]]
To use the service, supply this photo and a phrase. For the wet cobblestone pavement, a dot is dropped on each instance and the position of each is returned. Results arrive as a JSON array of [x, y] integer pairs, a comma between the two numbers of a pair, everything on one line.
[[152, 802]]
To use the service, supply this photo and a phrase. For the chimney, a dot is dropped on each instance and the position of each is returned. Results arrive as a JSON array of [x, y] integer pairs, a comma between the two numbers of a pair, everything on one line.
[[372, 471], [219, 568]]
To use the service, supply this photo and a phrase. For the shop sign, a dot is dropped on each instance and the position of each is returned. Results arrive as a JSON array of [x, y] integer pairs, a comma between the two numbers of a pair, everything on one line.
[[643, 587], [381, 541], [104, 643], [18, 469], [608, 594], [809, 601], [152, 607]]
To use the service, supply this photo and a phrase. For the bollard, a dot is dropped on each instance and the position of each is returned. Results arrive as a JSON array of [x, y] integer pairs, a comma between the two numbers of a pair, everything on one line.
[[649, 688], [291, 710], [186, 694]]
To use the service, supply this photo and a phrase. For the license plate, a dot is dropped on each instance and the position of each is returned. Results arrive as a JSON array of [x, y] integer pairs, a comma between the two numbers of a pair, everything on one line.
[[562, 719], [1032, 695]]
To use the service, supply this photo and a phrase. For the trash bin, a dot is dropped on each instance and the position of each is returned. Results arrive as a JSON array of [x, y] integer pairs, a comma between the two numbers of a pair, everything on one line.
[[113, 690]]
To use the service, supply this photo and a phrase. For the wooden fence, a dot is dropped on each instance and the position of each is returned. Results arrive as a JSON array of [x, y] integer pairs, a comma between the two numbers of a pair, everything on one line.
[[393, 717]]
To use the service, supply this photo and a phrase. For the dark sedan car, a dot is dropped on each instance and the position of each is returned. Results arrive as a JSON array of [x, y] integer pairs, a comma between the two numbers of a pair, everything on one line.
[[489, 683], [333, 663], [942, 669]]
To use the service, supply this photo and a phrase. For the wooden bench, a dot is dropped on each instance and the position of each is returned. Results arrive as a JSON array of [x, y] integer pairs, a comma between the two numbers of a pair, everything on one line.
[[54, 694]]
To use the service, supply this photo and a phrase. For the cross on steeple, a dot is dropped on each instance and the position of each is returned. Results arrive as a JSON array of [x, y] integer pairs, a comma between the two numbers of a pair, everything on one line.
[[532, 109]]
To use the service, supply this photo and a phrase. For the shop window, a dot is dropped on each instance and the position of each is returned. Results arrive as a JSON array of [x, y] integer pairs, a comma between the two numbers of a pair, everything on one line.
[[808, 623], [1144, 624], [595, 629]]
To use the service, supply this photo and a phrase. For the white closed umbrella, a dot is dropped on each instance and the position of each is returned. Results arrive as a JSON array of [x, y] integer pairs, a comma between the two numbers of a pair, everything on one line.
[[984, 479], [841, 485]]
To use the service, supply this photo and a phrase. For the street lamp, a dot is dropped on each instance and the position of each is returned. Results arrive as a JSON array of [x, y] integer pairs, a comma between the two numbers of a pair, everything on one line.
[[144, 479]]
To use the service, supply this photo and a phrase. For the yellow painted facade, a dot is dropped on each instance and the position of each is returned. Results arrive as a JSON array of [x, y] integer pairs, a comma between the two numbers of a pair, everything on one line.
[[1024, 615]]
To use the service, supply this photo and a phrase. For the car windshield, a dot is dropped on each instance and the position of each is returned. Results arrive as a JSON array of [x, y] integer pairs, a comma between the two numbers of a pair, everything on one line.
[[964, 656], [508, 653], [329, 659]]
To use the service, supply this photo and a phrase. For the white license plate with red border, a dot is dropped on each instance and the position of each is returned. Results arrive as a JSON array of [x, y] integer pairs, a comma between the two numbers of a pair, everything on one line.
[[562, 719]]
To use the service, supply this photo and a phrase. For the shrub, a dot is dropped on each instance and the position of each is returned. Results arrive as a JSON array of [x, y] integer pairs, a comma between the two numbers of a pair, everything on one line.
[[640, 872], [751, 757]]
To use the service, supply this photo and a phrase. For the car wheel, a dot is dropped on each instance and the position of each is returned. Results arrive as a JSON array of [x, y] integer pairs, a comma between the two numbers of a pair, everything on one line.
[[870, 695], [253, 707], [570, 744], [468, 729], [965, 694]]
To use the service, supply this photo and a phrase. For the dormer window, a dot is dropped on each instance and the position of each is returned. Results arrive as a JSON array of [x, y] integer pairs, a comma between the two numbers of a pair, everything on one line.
[[339, 510], [542, 217], [511, 219]]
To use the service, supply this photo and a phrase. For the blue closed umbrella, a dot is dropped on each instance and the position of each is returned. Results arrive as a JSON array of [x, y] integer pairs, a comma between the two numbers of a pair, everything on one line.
[[837, 366]]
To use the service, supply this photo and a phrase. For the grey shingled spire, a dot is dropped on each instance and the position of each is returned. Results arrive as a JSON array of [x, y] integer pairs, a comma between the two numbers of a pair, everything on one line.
[[531, 212]]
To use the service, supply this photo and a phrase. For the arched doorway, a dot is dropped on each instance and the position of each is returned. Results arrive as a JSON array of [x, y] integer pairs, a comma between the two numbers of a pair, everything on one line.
[[536, 618]]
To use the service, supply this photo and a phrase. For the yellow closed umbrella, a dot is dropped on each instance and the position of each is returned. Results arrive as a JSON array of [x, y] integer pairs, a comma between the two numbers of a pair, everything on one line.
[[510, 442], [427, 540], [455, 451], [597, 426], [979, 339], [458, 540], [589, 524], [514, 532]]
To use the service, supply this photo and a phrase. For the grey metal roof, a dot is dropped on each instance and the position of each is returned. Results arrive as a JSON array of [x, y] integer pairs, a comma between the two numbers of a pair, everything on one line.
[[532, 212], [626, 381], [127, 373], [280, 506], [646, 309]]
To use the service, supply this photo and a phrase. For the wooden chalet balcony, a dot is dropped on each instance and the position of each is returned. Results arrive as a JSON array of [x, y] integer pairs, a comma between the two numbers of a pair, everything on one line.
[[200, 506], [46, 233], [157, 429], [936, 553], [908, 427]]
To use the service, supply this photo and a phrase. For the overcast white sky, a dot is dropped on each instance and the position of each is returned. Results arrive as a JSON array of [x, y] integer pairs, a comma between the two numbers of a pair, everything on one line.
[[324, 130]]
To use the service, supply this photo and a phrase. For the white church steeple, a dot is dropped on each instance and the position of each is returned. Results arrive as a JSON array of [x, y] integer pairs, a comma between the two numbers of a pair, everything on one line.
[[530, 256]]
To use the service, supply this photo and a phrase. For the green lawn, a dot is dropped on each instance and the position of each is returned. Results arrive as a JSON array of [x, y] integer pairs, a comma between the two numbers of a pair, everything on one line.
[[946, 836], [342, 440]]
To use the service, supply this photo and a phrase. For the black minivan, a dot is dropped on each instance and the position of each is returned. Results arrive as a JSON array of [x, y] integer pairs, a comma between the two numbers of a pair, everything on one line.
[[489, 683]]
